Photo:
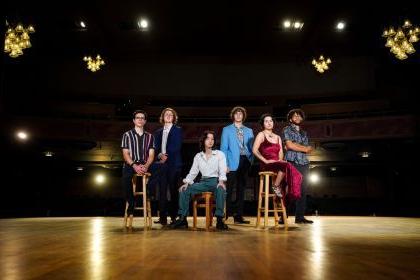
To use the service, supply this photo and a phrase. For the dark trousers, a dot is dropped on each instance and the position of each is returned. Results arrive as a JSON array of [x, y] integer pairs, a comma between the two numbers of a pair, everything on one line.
[[159, 177], [301, 202], [237, 179], [173, 185], [127, 176]]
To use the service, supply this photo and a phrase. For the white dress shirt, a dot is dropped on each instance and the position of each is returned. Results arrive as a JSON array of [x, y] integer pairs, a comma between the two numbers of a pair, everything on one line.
[[215, 166], [165, 134]]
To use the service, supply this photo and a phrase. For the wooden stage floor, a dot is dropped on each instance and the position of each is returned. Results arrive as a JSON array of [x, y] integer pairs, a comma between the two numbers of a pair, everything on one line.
[[98, 248]]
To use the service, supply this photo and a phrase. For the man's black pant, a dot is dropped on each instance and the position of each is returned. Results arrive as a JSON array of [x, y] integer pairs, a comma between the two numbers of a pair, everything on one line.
[[301, 202], [237, 179], [173, 176], [166, 177]]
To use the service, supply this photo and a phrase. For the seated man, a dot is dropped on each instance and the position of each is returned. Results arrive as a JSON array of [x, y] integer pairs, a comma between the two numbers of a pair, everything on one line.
[[212, 165]]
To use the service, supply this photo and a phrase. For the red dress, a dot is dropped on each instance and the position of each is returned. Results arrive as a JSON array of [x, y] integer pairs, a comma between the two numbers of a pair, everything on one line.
[[292, 179]]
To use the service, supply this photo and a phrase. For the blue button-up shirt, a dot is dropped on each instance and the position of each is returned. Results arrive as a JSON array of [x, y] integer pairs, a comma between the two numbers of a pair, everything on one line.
[[290, 133]]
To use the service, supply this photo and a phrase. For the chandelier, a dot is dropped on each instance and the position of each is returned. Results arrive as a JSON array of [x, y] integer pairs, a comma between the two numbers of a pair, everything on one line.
[[17, 39], [321, 65], [94, 64], [401, 41]]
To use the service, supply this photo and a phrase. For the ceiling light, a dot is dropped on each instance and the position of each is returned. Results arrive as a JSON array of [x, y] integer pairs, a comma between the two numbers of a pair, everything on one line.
[[401, 40], [143, 24], [22, 135], [17, 39], [94, 64], [340, 25], [295, 25], [321, 65]]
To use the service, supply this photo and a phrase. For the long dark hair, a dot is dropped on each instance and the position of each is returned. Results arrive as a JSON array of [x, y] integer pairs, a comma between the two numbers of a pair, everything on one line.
[[204, 137]]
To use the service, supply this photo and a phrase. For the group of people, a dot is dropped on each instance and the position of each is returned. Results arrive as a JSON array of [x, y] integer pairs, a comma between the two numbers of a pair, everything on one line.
[[222, 171]]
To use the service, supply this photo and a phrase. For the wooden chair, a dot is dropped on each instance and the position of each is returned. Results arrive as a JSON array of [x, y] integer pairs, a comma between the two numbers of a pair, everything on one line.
[[204, 200], [266, 179], [147, 210]]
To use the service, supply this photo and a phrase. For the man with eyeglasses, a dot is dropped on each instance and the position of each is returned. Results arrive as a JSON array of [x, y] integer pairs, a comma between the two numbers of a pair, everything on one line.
[[138, 149]]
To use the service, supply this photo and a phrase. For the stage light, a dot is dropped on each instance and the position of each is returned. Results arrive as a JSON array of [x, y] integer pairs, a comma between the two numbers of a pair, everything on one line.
[[143, 24], [314, 178], [297, 25], [82, 24], [333, 168], [94, 64], [401, 41], [22, 135], [100, 179], [364, 154], [79, 168], [321, 65], [340, 25], [292, 25], [48, 154], [17, 39]]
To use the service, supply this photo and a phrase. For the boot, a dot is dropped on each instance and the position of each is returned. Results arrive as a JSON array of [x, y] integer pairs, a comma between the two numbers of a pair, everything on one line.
[[220, 224]]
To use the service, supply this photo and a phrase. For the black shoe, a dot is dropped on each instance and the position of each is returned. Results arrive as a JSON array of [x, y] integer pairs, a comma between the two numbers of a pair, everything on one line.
[[303, 221], [162, 221], [240, 220], [180, 223], [220, 224]]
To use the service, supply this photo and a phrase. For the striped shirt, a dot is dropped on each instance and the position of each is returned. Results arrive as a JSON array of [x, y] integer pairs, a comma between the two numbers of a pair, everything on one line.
[[138, 145]]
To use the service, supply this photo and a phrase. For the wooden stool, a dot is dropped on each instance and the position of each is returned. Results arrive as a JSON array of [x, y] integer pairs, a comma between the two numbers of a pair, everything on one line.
[[147, 211], [208, 204], [265, 178]]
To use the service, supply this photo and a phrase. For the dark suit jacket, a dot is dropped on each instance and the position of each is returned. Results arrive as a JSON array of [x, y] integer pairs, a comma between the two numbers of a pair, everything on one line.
[[173, 146]]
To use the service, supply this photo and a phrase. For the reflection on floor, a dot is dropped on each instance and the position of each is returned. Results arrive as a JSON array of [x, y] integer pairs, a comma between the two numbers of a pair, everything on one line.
[[98, 248]]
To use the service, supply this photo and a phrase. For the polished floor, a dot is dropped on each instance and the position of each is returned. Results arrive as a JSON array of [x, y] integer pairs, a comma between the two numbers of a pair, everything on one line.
[[98, 248]]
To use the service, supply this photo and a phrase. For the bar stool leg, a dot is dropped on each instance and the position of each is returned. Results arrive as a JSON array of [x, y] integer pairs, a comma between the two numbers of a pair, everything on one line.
[[195, 214], [149, 214], [134, 184], [266, 206], [144, 202], [276, 214], [207, 211], [259, 201], [125, 215]]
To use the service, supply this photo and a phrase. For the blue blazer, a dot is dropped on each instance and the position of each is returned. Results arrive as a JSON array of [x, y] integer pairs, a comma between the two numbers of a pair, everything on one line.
[[230, 145], [173, 145]]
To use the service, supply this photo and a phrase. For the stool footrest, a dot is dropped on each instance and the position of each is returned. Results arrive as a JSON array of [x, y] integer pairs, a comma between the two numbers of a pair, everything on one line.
[[278, 210], [269, 195]]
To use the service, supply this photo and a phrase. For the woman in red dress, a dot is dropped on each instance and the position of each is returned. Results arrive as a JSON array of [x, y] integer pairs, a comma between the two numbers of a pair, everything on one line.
[[268, 149]]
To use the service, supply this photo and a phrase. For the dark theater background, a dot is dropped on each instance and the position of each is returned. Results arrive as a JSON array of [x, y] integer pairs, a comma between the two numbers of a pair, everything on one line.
[[62, 124]]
